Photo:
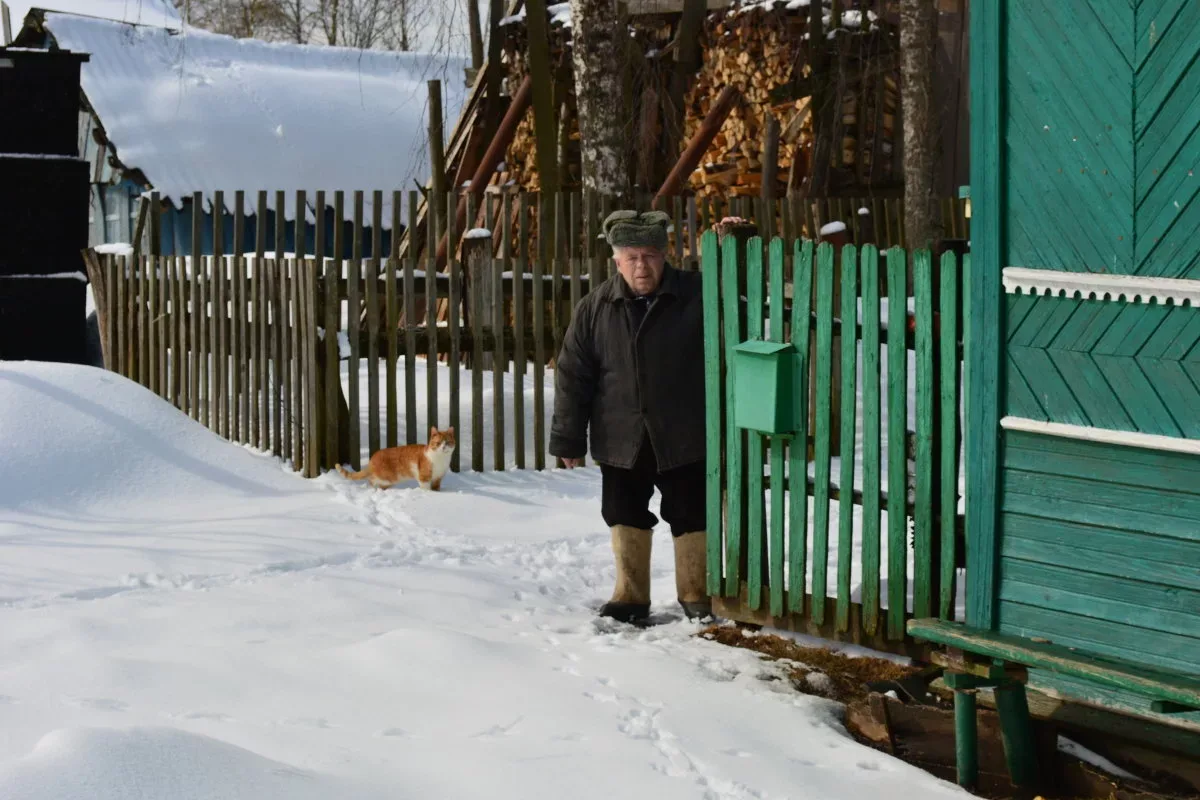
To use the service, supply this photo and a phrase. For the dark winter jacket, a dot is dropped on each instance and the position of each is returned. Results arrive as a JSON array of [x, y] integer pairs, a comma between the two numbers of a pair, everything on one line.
[[625, 380]]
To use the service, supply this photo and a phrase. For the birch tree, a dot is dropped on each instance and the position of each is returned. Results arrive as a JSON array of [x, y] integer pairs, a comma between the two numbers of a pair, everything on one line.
[[598, 56], [918, 32]]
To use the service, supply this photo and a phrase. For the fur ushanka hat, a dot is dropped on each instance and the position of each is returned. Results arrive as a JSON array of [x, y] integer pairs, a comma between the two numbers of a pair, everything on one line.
[[637, 229]]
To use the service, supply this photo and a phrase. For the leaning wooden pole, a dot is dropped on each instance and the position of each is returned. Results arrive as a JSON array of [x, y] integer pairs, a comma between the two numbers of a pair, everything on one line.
[[491, 159], [699, 144]]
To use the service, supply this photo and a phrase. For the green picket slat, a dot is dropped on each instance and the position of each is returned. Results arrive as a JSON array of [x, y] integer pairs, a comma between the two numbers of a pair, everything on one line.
[[777, 442], [735, 475], [871, 439], [849, 315], [821, 447], [754, 446], [923, 512], [802, 277], [897, 388], [710, 275], [948, 480]]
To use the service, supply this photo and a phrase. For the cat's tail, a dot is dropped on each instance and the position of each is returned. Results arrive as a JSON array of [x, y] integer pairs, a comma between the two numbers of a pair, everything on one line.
[[354, 476]]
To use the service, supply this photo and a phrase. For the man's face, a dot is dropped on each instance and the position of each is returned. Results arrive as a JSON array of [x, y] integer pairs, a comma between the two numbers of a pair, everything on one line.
[[641, 267]]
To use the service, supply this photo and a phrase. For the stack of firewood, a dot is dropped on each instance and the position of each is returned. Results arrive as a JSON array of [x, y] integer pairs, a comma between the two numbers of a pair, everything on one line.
[[757, 51]]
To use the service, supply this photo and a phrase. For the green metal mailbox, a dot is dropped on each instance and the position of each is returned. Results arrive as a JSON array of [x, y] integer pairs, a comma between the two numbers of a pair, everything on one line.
[[763, 398]]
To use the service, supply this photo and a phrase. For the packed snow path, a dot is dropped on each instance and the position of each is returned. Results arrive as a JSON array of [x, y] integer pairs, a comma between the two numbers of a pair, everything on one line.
[[181, 618]]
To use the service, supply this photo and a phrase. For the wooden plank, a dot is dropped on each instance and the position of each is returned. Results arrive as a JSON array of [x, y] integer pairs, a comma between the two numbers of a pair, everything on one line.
[[178, 332], [477, 252], [1056, 455], [371, 297], [236, 340], [539, 342], [1072, 589], [154, 315], [455, 320], [1115, 673], [678, 232], [410, 329], [122, 316], [982, 323], [197, 335], [162, 271], [260, 288], [849, 394], [754, 446], [711, 278], [431, 315], [392, 326], [872, 484], [1100, 551], [948, 480], [802, 285], [735, 481], [112, 313], [558, 262], [298, 266], [220, 322], [822, 442], [519, 354], [499, 358], [312, 448], [237, 317], [923, 555], [280, 425], [778, 491], [353, 323], [330, 273], [897, 393], [217, 315], [144, 264]]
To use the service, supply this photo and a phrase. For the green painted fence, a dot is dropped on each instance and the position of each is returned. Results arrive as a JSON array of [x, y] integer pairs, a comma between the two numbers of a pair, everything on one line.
[[836, 527]]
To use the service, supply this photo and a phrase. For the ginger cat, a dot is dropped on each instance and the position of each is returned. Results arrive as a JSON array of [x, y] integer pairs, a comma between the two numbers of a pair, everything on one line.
[[427, 464]]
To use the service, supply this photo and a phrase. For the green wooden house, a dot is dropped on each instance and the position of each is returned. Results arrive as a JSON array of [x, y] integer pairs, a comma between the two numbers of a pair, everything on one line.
[[1083, 340]]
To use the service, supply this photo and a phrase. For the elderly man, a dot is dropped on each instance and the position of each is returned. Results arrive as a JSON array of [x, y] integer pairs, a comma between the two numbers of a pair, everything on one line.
[[632, 368]]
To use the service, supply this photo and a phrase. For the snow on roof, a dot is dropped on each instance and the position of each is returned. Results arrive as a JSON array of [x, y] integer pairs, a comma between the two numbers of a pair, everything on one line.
[[199, 111], [159, 13]]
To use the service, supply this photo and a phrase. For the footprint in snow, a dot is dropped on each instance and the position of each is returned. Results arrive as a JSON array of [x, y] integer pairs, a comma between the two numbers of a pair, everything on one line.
[[213, 716], [98, 703], [499, 730]]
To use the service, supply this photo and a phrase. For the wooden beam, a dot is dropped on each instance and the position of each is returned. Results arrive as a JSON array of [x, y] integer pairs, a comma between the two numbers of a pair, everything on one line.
[[476, 32], [491, 159], [699, 144], [544, 129], [770, 161], [437, 150], [6, 23]]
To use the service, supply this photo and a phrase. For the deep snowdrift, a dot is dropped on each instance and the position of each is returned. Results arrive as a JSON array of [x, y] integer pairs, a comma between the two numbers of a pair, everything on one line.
[[180, 618]]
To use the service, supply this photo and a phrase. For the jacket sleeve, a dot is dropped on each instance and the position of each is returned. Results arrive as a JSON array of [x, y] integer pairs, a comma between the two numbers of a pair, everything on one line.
[[575, 376]]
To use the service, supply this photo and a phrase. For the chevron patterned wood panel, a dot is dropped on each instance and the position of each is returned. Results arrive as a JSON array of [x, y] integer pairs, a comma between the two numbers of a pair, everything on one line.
[[1102, 136]]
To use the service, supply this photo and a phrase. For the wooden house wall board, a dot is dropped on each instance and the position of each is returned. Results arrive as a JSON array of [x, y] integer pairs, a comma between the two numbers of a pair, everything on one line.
[[1102, 137]]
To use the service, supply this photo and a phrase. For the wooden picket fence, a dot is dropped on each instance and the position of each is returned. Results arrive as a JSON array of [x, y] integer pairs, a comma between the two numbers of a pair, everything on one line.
[[767, 563]]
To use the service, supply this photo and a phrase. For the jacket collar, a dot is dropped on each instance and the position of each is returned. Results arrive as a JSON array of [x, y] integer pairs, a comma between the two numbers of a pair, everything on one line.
[[616, 289]]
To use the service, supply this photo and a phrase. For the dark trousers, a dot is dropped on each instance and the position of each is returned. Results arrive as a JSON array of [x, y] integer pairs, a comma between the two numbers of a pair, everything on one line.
[[626, 493]]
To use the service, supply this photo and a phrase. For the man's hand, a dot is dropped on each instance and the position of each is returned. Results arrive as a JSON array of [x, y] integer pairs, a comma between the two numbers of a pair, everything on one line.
[[572, 463]]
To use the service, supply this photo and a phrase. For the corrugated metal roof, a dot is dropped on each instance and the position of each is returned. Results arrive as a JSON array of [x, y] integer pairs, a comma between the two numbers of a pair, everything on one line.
[[197, 111]]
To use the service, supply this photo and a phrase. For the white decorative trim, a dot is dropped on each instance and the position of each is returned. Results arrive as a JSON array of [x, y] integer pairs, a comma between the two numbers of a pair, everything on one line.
[[1147, 441], [1094, 286]]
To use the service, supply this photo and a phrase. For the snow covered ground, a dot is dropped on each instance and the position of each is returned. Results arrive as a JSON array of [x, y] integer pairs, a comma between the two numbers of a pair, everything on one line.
[[182, 618]]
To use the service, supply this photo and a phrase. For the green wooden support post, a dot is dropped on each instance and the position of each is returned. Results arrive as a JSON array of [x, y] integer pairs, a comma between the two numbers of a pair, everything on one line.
[[735, 480], [872, 457], [1016, 729], [754, 447], [923, 556], [966, 739], [711, 277], [778, 487], [848, 420], [802, 277], [897, 426], [823, 433]]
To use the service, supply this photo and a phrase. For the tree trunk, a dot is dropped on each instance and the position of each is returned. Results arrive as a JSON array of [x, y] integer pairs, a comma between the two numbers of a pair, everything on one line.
[[599, 59], [918, 30], [476, 32]]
